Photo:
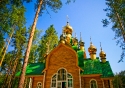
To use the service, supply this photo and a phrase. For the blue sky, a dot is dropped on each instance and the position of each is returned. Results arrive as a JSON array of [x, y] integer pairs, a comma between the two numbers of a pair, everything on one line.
[[85, 16]]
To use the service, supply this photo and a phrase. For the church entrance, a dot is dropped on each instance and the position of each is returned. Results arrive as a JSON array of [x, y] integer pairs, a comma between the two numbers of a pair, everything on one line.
[[62, 79], [63, 84]]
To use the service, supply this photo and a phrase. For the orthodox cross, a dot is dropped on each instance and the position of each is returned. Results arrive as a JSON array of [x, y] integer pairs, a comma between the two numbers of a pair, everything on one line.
[[100, 46], [67, 19], [80, 37], [90, 40]]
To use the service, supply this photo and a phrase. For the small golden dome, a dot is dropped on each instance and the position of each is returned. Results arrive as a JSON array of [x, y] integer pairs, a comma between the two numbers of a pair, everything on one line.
[[92, 49], [102, 54], [67, 29]]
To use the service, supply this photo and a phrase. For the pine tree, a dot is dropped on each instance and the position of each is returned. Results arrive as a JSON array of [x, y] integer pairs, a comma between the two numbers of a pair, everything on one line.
[[116, 14], [47, 42]]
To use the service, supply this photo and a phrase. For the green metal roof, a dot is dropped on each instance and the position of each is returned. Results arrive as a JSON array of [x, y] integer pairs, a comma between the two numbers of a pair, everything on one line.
[[75, 47], [93, 66], [80, 54], [106, 70], [33, 69]]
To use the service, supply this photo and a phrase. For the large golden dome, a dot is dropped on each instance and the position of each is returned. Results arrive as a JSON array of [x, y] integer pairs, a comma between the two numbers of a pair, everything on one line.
[[67, 29], [92, 48]]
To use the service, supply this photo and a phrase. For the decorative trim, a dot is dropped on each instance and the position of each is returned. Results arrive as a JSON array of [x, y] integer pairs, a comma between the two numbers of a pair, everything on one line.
[[44, 78], [91, 75], [30, 83], [34, 75], [108, 78], [103, 83], [38, 85], [79, 78], [92, 80]]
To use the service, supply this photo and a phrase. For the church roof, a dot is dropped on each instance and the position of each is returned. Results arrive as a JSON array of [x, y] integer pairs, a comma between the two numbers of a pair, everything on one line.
[[94, 66], [106, 70], [33, 69], [89, 66]]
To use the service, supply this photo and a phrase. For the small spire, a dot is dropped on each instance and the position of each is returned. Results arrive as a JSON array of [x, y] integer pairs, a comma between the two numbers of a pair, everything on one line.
[[90, 41], [100, 46], [67, 20], [75, 35], [62, 30], [80, 37]]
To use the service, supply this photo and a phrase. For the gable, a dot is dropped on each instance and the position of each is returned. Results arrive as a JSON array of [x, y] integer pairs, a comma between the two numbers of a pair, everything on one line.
[[60, 55]]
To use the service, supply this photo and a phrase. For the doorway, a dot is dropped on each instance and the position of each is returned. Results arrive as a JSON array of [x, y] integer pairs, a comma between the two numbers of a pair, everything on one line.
[[63, 84]]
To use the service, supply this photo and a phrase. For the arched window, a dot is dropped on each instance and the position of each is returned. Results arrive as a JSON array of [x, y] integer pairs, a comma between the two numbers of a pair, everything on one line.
[[93, 84], [70, 81], [39, 85], [54, 81], [62, 74], [62, 79]]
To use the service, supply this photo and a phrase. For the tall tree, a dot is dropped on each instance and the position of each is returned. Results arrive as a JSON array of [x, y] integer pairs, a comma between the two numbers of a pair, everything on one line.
[[12, 17], [119, 80], [33, 57], [116, 14], [54, 5], [12, 20], [47, 42]]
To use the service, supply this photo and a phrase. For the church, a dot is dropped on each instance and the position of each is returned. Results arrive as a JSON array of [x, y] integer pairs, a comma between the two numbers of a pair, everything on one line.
[[67, 66]]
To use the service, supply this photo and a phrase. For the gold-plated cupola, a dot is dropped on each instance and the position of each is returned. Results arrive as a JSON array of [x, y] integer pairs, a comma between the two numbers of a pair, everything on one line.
[[81, 43], [92, 51], [67, 29], [102, 55]]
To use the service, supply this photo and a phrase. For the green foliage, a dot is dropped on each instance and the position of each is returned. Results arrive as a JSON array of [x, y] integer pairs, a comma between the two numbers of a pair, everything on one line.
[[12, 23], [52, 4], [35, 44], [119, 80], [47, 42], [116, 15], [1, 79]]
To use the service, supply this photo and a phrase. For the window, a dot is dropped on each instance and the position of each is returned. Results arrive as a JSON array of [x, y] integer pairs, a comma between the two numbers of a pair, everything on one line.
[[62, 79], [39, 85], [69, 77], [93, 84], [62, 74], [54, 81]]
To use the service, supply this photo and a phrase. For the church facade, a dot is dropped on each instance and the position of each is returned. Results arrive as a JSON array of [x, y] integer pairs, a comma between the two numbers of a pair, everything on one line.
[[67, 66]]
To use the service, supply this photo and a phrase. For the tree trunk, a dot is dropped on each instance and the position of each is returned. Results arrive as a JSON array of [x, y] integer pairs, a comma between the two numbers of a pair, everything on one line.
[[14, 71], [4, 52], [121, 25], [22, 77]]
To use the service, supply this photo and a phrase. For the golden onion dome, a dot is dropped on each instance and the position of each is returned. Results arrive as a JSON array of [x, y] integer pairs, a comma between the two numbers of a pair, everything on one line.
[[67, 29], [102, 54], [92, 49]]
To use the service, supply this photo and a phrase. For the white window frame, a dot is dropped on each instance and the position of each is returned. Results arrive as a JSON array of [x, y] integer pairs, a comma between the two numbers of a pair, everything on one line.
[[57, 81], [69, 78], [52, 79], [95, 82]]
